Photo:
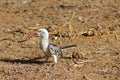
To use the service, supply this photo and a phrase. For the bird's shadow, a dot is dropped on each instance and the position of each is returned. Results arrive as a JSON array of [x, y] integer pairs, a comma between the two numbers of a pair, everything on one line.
[[23, 61], [29, 61]]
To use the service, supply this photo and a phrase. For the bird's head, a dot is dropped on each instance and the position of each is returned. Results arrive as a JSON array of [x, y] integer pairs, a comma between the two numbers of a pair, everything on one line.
[[42, 32]]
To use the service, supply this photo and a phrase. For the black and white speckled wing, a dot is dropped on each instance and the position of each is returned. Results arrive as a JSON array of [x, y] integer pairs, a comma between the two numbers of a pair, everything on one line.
[[54, 50]]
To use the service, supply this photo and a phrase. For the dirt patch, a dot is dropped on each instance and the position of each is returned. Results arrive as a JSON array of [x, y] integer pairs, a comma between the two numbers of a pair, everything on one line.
[[94, 25]]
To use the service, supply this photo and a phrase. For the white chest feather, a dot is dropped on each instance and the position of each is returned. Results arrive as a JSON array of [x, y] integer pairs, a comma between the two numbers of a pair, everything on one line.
[[44, 45]]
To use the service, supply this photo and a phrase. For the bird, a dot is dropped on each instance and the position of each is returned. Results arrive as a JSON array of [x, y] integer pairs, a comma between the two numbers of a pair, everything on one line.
[[48, 48]]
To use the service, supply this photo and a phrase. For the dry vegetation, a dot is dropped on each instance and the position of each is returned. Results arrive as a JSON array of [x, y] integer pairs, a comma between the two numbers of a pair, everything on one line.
[[94, 25]]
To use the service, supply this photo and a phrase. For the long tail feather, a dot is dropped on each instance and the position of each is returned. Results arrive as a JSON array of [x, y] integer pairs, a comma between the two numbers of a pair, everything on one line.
[[68, 46]]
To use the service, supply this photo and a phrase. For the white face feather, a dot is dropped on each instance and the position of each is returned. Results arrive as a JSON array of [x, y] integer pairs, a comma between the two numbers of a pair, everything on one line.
[[44, 39], [43, 33]]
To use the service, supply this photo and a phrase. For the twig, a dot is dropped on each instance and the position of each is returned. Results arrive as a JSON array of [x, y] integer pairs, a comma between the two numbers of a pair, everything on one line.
[[80, 62], [21, 40], [70, 26]]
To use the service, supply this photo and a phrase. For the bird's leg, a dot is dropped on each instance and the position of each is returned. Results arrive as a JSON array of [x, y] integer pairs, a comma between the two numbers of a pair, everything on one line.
[[47, 57], [61, 55], [55, 58]]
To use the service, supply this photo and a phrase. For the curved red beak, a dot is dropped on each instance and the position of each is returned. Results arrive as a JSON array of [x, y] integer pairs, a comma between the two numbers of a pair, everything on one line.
[[31, 34]]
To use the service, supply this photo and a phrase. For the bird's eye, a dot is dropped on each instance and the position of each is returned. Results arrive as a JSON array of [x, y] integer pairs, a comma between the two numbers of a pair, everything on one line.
[[51, 48], [43, 32], [39, 31]]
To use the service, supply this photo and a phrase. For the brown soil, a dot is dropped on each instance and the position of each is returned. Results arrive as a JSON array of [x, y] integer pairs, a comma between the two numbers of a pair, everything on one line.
[[94, 25]]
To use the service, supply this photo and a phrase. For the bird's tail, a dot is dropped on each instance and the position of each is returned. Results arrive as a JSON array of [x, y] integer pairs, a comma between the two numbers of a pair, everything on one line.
[[68, 46]]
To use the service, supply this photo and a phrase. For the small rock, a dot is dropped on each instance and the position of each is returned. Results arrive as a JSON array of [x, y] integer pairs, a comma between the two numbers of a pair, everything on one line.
[[55, 38], [88, 33], [91, 33], [84, 33]]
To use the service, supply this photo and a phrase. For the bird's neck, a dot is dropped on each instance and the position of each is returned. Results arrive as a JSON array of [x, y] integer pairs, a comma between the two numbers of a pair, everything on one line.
[[44, 44]]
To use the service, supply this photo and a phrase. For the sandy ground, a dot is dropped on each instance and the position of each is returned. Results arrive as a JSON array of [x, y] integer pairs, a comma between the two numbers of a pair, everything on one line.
[[94, 25]]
